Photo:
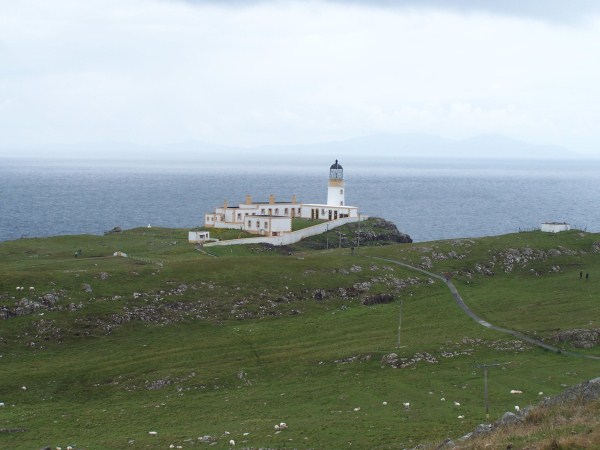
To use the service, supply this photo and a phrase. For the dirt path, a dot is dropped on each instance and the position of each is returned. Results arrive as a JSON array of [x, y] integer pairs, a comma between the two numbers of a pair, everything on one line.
[[461, 303]]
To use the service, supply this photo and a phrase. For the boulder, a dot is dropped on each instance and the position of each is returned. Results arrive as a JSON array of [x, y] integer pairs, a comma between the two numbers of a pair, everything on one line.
[[320, 294], [378, 299], [509, 418], [390, 359]]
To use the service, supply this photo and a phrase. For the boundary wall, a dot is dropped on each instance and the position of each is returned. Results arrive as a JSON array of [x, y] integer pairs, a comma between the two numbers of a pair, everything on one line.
[[290, 238]]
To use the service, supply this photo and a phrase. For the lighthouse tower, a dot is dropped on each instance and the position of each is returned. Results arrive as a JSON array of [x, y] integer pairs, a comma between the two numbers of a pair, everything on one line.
[[336, 186]]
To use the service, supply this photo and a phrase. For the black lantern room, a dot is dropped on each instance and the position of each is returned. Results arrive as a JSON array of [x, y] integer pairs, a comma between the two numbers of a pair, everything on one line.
[[336, 172]]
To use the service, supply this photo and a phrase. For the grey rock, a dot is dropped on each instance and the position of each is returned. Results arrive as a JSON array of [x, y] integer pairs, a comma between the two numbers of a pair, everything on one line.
[[580, 338], [378, 299], [206, 439], [320, 294], [86, 287], [509, 418], [390, 359], [581, 393], [482, 428], [447, 443]]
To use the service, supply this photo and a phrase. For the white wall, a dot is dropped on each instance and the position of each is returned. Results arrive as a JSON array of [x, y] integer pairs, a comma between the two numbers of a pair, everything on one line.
[[555, 227], [198, 236], [290, 238]]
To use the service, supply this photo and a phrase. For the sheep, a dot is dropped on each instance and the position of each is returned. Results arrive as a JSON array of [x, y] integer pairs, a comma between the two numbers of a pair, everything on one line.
[[231, 442], [540, 393], [384, 403], [442, 399], [357, 408], [461, 417], [517, 409], [31, 289], [406, 405], [456, 403], [515, 391], [152, 433], [1, 404], [23, 388], [283, 426]]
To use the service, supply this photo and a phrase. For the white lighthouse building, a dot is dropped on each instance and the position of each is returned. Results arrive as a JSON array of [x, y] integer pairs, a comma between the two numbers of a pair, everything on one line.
[[274, 218], [336, 186]]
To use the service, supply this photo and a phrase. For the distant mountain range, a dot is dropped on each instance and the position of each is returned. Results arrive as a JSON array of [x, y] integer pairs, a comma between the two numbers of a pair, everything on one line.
[[377, 149]]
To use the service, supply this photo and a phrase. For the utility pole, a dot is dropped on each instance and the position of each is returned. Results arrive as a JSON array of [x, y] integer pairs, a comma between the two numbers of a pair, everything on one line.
[[485, 368], [358, 236], [399, 323]]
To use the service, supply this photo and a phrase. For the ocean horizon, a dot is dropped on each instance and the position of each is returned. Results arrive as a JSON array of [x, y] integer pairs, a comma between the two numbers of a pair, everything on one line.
[[427, 199]]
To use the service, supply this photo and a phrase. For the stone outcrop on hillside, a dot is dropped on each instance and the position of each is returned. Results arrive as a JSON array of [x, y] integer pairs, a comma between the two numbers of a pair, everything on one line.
[[382, 231], [579, 338], [582, 393], [579, 394]]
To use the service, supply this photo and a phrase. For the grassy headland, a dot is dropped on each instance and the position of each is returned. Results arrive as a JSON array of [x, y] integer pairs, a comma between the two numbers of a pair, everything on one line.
[[106, 349]]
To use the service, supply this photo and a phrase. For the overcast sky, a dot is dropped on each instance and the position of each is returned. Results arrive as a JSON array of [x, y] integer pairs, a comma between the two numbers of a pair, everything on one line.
[[250, 73]]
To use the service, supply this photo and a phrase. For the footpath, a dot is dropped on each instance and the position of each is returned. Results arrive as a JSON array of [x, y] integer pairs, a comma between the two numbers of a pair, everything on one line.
[[462, 305]]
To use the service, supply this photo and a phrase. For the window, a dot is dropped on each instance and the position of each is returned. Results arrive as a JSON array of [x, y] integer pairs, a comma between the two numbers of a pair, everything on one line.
[[276, 211], [341, 192], [262, 211], [249, 224], [239, 216], [285, 211], [266, 225]]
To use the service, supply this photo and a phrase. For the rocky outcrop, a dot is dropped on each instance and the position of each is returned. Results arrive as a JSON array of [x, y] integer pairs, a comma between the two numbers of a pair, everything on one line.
[[579, 338], [373, 231], [381, 231], [582, 393], [24, 306], [378, 299]]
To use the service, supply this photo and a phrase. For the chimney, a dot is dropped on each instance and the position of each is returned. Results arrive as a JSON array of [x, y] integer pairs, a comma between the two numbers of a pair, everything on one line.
[[225, 204], [294, 199], [248, 199], [271, 199]]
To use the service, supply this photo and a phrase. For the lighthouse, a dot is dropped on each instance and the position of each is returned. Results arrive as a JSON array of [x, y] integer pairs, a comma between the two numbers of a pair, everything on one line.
[[336, 186]]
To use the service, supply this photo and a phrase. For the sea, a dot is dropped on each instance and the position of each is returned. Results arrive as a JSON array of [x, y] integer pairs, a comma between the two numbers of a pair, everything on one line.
[[427, 199]]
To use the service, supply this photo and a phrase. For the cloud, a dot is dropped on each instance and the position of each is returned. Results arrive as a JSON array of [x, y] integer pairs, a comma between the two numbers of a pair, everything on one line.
[[266, 72], [558, 11]]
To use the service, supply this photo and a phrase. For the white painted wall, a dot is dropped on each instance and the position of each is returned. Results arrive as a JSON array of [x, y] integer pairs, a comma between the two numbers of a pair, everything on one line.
[[336, 190], [351, 211], [553, 227], [198, 236], [290, 238]]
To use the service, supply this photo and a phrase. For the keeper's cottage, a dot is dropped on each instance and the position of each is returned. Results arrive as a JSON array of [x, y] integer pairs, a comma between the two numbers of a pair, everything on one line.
[[273, 218]]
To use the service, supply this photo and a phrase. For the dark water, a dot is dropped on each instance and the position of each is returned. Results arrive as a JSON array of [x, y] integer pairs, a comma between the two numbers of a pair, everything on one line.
[[428, 200]]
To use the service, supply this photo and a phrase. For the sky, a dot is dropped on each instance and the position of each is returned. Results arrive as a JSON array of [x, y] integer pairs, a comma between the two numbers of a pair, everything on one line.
[[252, 73]]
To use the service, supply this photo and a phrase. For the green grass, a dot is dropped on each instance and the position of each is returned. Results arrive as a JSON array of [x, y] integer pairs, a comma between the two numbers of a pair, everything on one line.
[[91, 386]]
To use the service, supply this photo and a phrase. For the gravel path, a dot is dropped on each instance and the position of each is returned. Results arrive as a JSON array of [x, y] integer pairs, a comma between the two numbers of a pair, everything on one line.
[[461, 303]]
